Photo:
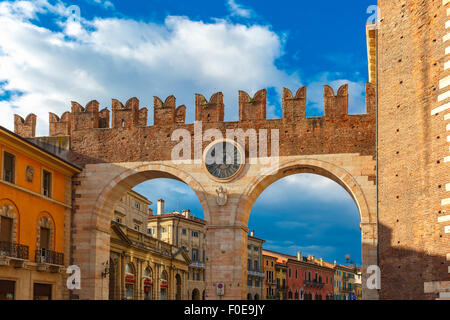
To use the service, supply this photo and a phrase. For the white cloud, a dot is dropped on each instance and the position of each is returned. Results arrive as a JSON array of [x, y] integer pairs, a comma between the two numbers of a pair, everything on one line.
[[316, 250], [238, 10], [309, 186], [108, 58], [104, 3]]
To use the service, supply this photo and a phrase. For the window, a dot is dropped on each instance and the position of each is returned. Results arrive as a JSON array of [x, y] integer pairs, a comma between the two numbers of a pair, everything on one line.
[[151, 231], [118, 220], [137, 205], [136, 227], [9, 163], [290, 272], [163, 229], [249, 282], [296, 273], [6, 229], [45, 238], [195, 255], [256, 249], [46, 183], [249, 264], [204, 256], [257, 283], [195, 234], [256, 265], [183, 231]]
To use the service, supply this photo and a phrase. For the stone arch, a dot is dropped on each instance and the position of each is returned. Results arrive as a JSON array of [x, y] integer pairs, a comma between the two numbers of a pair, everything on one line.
[[195, 294], [342, 170], [305, 165], [138, 173], [94, 211], [9, 209]]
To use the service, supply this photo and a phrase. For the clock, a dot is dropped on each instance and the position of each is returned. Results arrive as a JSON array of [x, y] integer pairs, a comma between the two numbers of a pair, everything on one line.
[[224, 159]]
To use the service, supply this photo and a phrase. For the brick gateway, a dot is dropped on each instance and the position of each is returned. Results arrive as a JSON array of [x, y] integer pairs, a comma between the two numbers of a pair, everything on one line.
[[118, 157]]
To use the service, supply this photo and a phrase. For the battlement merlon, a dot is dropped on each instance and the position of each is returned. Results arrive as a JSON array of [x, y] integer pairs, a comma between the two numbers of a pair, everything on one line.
[[166, 113], [25, 127]]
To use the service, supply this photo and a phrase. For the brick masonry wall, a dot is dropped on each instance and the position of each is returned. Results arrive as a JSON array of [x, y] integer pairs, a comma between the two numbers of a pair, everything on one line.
[[336, 132], [412, 146]]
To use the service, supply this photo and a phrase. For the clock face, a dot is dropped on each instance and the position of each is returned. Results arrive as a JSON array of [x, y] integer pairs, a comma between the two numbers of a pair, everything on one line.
[[223, 160]]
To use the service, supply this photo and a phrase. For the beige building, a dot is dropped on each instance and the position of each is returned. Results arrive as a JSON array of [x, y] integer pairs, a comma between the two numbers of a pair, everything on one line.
[[255, 271], [133, 211], [142, 267], [183, 230]]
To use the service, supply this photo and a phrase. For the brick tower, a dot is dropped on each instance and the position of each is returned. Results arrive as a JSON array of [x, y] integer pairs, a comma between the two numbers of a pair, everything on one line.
[[413, 148]]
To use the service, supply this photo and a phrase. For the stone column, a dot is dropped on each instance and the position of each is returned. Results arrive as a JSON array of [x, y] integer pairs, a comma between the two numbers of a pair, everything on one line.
[[370, 258], [226, 261]]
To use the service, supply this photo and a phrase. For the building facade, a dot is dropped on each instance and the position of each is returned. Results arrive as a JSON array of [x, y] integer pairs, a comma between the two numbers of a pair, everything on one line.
[[309, 280], [183, 230], [345, 282], [270, 279], [133, 211], [144, 268], [255, 271], [35, 220]]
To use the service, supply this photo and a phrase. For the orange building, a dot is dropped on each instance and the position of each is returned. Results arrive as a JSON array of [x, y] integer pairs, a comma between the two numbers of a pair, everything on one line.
[[35, 220]]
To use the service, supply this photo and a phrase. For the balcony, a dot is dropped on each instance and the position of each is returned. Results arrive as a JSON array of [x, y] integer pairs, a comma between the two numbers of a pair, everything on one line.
[[255, 273], [314, 283], [271, 281], [13, 253], [48, 260], [197, 265]]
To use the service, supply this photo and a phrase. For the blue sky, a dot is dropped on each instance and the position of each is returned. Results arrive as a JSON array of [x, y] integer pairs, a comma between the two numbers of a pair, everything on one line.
[[120, 49]]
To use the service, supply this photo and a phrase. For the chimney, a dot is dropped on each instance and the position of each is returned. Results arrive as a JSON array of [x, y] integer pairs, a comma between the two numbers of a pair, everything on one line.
[[186, 213], [335, 262], [160, 207], [252, 233], [321, 262], [299, 256]]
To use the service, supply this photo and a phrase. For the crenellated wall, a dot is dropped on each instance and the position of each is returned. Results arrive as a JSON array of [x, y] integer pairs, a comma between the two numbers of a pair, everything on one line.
[[130, 139], [25, 127]]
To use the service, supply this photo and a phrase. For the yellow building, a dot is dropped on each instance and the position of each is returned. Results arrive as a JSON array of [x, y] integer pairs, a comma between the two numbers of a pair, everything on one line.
[[281, 289], [133, 211], [35, 220], [183, 230], [270, 280], [255, 271], [280, 274], [344, 282]]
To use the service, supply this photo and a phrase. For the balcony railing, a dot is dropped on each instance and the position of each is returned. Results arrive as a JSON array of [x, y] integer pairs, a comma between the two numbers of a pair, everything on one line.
[[271, 281], [314, 283], [50, 257], [13, 250], [198, 265], [255, 273]]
